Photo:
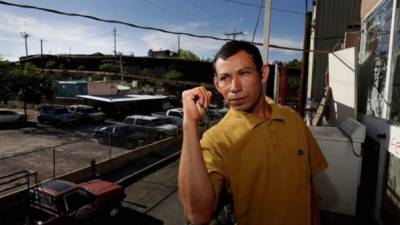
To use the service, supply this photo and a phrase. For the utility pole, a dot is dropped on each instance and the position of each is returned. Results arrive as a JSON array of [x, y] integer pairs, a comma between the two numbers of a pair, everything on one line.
[[115, 41], [25, 36], [179, 44], [304, 64], [120, 66], [267, 28], [41, 54], [234, 34]]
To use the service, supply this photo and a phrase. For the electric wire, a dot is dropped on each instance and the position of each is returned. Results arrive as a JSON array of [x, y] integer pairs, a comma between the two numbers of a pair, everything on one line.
[[151, 28]]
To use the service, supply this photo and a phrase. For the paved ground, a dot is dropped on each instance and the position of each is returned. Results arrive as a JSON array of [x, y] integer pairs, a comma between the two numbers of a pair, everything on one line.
[[154, 200], [36, 147]]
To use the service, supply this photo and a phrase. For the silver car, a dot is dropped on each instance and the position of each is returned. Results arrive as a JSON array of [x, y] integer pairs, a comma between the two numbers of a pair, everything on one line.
[[9, 117], [155, 125]]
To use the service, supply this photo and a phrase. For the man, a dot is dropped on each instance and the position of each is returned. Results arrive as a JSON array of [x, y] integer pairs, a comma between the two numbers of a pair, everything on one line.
[[260, 152]]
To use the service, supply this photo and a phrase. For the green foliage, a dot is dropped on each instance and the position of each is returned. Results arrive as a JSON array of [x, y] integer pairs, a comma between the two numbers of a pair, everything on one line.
[[109, 67], [5, 80], [146, 72], [188, 55], [81, 67], [26, 82], [293, 83], [173, 74], [293, 64], [97, 76], [51, 64]]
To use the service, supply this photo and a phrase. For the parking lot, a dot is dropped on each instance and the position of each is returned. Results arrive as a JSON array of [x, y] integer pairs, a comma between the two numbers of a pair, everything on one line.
[[42, 147]]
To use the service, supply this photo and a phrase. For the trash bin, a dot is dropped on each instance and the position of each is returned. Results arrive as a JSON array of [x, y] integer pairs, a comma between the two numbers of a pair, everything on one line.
[[337, 186]]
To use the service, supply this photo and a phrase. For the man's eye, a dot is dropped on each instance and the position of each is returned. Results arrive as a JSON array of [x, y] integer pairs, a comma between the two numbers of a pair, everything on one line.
[[222, 78]]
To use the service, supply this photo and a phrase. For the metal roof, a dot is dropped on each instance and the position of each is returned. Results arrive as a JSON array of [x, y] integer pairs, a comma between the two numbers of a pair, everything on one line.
[[122, 98]]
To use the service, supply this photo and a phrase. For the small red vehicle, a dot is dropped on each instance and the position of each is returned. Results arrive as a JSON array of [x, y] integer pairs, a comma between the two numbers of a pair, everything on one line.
[[63, 202]]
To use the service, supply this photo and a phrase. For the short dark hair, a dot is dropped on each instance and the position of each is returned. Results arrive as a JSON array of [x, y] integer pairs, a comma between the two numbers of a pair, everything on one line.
[[232, 47]]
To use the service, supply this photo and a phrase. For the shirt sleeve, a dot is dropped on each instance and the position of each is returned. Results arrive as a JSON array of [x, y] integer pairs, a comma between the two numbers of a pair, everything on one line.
[[214, 162], [317, 160]]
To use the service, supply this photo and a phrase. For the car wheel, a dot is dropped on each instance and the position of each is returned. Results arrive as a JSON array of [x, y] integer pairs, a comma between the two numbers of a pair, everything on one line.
[[130, 144], [160, 136], [114, 210]]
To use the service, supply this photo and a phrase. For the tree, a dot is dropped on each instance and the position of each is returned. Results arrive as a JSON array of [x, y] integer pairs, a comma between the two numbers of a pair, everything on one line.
[[109, 67], [188, 55], [173, 74], [293, 64], [5, 80], [51, 64], [31, 86]]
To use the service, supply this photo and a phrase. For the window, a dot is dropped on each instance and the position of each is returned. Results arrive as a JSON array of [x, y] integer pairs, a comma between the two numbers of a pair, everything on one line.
[[129, 120], [175, 114], [77, 199], [140, 122]]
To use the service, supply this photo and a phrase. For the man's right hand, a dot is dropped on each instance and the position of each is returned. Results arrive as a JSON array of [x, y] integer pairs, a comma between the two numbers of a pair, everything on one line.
[[195, 103]]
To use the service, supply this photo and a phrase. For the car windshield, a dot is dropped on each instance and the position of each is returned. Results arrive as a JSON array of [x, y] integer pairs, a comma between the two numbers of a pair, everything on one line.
[[89, 110], [61, 111]]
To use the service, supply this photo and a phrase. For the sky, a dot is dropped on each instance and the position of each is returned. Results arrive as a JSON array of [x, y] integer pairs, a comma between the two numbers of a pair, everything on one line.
[[75, 35]]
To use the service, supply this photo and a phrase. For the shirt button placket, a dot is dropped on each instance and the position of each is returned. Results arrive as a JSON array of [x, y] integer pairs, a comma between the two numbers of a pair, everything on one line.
[[272, 134]]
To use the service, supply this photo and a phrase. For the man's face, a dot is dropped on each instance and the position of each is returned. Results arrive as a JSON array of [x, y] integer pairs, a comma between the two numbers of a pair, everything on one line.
[[238, 80]]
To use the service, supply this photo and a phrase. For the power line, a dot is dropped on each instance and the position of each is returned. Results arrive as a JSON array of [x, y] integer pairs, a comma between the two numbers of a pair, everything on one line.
[[150, 28], [115, 21], [272, 8]]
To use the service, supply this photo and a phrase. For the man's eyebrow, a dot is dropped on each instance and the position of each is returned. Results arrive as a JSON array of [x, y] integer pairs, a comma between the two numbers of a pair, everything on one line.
[[247, 68], [221, 74]]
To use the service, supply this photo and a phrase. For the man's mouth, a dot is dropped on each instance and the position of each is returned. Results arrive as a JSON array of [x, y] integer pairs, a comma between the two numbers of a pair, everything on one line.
[[237, 101]]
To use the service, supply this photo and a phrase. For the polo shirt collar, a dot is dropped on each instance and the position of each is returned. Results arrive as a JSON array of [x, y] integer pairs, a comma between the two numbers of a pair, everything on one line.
[[252, 121]]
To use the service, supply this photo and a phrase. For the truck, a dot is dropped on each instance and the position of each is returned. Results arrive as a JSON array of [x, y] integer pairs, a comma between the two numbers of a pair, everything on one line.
[[63, 202]]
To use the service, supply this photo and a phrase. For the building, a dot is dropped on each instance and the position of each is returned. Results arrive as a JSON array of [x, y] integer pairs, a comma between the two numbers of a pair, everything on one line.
[[330, 21], [377, 88]]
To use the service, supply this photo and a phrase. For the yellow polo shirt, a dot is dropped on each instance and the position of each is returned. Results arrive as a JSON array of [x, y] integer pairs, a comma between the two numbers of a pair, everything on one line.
[[267, 165]]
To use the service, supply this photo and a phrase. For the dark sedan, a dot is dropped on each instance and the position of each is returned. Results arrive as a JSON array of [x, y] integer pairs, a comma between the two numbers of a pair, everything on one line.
[[122, 135]]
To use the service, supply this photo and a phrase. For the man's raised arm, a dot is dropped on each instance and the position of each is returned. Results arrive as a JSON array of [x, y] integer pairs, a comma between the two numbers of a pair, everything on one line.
[[196, 192]]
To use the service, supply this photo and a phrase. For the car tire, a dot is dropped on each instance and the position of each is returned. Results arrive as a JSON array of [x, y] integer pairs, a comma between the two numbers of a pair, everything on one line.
[[114, 210], [160, 136]]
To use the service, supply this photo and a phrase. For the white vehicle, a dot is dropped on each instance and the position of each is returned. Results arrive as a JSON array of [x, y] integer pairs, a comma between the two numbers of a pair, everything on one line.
[[176, 112], [9, 117], [156, 125]]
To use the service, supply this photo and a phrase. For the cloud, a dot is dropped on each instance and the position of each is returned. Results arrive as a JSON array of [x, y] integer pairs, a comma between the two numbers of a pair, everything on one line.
[[58, 36]]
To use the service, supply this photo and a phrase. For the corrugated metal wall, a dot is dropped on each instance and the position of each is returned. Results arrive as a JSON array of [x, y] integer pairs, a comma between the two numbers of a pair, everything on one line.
[[332, 19]]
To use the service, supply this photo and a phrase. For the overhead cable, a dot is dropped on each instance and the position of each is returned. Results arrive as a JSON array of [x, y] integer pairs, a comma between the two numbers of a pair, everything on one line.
[[148, 27]]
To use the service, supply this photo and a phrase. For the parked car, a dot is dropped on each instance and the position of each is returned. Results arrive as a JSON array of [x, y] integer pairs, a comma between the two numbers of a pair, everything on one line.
[[174, 120], [87, 113], [57, 115], [122, 135], [62, 202], [152, 125], [11, 117], [176, 112]]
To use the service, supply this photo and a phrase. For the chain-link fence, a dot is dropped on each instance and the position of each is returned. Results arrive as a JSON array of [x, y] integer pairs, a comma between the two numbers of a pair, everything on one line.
[[54, 161]]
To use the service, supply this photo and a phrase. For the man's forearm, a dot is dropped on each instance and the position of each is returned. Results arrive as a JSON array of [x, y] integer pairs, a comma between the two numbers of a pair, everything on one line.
[[196, 192]]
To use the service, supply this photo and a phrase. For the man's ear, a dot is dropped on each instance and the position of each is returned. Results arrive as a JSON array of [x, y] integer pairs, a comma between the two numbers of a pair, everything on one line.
[[265, 73]]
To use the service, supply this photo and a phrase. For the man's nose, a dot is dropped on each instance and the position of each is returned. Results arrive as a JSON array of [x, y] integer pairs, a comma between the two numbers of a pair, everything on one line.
[[236, 84]]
